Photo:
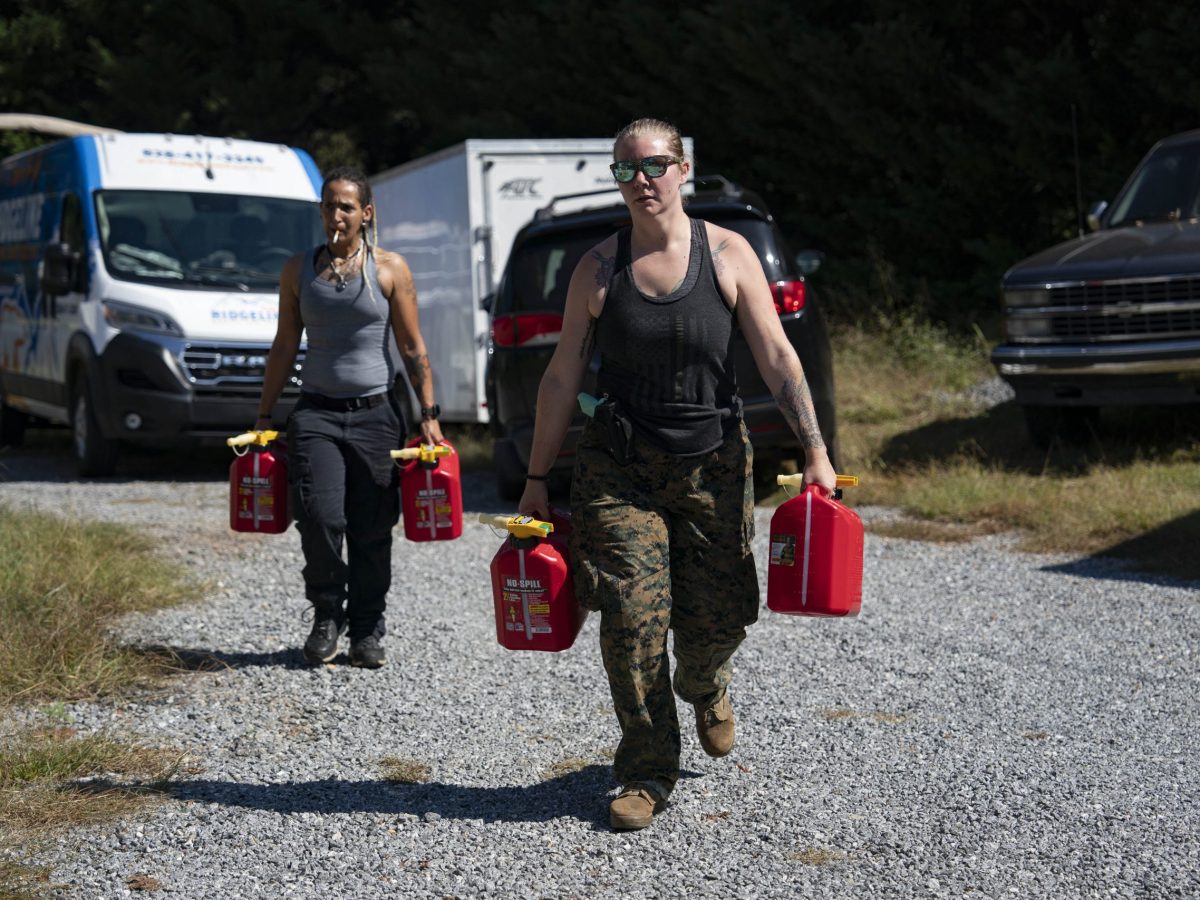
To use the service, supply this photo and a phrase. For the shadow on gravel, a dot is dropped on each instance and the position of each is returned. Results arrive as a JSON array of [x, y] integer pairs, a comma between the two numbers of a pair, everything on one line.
[[579, 795], [1169, 549], [193, 659], [46, 456]]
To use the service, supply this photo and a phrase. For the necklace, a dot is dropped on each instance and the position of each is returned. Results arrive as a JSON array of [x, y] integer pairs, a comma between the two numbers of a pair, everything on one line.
[[339, 275]]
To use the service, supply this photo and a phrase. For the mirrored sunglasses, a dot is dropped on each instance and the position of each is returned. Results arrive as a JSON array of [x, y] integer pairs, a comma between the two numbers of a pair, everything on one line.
[[625, 170]]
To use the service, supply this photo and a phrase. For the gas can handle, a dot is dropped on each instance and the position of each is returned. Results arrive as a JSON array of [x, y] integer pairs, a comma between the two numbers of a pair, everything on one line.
[[424, 452], [518, 526], [797, 480], [258, 438]]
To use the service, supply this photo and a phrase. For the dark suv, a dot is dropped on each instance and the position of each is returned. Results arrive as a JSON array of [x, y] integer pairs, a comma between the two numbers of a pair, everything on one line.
[[527, 318], [1112, 318]]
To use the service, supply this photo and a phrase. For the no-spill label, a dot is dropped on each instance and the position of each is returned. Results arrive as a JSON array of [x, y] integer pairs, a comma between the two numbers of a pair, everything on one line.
[[526, 597], [783, 550]]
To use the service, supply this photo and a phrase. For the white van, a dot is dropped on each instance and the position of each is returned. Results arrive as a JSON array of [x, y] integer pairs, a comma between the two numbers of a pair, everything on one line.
[[139, 284]]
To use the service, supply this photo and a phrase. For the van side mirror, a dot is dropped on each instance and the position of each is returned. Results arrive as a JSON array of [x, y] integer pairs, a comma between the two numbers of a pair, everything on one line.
[[808, 261], [487, 301], [1096, 213], [61, 270]]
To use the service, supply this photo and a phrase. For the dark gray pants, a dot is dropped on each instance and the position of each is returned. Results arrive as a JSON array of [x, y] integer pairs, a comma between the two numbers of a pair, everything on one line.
[[344, 486]]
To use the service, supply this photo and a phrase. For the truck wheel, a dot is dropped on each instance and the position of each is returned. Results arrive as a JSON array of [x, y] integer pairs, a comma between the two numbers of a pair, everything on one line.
[[1071, 424], [510, 474], [95, 455], [12, 426]]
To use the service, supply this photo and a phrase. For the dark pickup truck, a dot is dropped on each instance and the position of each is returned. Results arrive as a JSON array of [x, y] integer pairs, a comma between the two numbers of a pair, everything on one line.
[[1112, 318]]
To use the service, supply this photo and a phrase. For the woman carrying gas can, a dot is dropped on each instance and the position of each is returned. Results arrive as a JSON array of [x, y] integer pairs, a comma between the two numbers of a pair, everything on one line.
[[352, 299], [662, 496]]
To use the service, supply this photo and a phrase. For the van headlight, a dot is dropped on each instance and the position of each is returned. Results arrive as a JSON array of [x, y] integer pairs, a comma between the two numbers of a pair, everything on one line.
[[127, 317]]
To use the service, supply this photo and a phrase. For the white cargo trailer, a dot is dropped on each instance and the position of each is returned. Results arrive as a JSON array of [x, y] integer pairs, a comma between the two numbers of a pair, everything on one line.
[[454, 214]]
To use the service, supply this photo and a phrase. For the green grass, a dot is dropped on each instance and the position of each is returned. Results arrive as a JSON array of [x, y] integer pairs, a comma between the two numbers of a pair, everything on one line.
[[62, 587], [921, 445], [52, 778]]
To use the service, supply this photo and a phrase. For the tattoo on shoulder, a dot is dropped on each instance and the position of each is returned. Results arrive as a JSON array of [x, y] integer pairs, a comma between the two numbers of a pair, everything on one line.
[[795, 402], [589, 340], [718, 261], [604, 269]]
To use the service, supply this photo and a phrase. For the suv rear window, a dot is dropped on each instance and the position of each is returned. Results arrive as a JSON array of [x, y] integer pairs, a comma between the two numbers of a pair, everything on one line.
[[540, 270]]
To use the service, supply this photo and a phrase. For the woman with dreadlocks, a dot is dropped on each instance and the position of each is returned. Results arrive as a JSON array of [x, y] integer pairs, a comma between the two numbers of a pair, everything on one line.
[[352, 299]]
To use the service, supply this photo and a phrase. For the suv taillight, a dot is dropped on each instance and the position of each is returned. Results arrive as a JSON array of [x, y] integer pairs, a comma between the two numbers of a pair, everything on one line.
[[526, 330], [789, 296]]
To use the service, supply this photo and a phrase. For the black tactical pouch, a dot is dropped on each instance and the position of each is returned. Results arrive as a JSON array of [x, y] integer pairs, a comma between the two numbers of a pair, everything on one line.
[[617, 430]]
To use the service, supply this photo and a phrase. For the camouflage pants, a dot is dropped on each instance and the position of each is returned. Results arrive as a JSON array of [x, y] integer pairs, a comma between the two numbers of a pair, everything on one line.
[[664, 543]]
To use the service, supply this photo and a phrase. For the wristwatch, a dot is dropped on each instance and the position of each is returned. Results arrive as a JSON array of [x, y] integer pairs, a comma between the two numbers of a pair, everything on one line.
[[431, 412]]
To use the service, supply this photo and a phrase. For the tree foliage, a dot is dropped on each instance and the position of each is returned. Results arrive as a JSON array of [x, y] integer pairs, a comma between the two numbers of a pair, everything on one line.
[[933, 142]]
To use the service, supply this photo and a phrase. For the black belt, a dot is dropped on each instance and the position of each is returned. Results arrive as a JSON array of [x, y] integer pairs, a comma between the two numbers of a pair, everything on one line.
[[345, 404]]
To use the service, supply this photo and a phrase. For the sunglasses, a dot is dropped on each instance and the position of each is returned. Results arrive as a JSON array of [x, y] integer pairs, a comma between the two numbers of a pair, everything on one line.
[[625, 170]]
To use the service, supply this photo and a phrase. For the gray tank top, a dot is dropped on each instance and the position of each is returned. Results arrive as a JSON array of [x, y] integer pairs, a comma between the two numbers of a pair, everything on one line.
[[348, 333], [667, 359]]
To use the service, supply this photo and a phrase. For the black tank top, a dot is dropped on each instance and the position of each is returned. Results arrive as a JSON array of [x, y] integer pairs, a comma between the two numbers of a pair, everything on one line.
[[666, 359]]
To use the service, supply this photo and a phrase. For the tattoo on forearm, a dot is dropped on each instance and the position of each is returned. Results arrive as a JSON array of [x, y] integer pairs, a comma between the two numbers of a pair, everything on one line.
[[795, 401], [604, 269], [589, 340], [718, 262], [417, 366]]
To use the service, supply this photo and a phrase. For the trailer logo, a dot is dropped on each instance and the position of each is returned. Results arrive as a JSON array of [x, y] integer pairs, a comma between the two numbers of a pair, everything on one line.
[[520, 188]]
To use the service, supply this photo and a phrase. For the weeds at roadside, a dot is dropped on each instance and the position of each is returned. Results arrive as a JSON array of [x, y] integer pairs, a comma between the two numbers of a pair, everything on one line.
[[912, 429], [62, 588], [52, 779], [816, 856], [405, 771]]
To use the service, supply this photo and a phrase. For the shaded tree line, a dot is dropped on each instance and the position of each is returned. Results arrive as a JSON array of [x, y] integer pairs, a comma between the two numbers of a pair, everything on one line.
[[923, 149]]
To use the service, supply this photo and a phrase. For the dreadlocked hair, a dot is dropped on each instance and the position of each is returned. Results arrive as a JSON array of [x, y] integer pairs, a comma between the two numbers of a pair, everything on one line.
[[354, 176]]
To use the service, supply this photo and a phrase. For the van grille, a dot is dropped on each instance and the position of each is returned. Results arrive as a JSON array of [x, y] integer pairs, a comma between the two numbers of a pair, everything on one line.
[[232, 371]]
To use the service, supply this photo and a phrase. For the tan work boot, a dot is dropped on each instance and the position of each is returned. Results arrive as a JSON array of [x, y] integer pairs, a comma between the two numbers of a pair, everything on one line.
[[715, 726], [634, 807]]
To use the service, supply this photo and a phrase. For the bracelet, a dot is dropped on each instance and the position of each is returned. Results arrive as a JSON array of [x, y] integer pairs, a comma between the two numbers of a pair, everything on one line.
[[545, 477]]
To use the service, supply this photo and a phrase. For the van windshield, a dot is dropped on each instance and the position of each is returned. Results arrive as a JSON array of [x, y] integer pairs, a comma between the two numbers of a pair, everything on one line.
[[1165, 189], [201, 239]]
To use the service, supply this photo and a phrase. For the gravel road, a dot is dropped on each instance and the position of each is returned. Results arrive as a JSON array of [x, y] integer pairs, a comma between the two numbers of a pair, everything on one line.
[[993, 724]]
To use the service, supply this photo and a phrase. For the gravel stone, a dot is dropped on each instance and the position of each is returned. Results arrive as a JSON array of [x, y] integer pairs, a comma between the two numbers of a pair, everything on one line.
[[993, 724]]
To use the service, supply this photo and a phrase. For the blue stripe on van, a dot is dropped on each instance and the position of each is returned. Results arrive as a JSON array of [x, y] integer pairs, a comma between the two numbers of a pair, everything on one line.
[[314, 174], [90, 160], [89, 164]]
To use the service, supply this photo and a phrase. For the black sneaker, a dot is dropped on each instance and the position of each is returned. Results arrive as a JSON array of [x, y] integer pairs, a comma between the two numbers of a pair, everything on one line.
[[367, 653], [322, 642]]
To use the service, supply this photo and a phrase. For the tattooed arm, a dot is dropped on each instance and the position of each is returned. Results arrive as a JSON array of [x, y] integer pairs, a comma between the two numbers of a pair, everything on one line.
[[557, 393], [741, 278], [396, 281]]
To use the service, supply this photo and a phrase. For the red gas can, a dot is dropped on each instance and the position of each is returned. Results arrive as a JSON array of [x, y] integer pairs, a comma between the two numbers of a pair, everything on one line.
[[430, 491], [532, 590], [258, 485], [816, 562]]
